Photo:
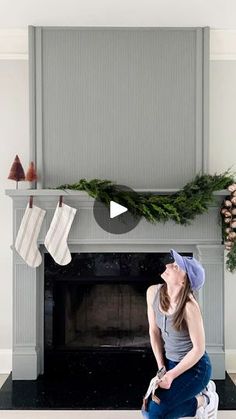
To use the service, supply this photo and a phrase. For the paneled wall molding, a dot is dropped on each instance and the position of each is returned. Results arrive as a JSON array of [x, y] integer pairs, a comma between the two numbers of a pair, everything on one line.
[[26, 352], [222, 45], [13, 44]]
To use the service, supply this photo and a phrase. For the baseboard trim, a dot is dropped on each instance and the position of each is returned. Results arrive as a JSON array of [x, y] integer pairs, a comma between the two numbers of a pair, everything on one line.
[[230, 360], [5, 361]]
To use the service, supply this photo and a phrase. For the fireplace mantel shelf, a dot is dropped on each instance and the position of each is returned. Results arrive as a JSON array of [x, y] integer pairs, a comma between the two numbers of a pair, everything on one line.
[[69, 192]]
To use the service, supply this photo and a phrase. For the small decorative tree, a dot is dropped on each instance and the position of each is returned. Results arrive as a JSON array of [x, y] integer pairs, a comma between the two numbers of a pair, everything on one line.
[[17, 172], [31, 174]]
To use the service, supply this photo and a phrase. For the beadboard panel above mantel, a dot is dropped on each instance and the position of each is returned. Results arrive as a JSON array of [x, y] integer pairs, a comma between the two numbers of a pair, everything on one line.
[[126, 104]]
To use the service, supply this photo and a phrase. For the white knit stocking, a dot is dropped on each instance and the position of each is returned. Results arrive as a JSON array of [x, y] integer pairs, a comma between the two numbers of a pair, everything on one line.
[[56, 237], [26, 240]]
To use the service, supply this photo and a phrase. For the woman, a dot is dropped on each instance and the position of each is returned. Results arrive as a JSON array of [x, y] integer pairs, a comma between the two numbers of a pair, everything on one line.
[[178, 343]]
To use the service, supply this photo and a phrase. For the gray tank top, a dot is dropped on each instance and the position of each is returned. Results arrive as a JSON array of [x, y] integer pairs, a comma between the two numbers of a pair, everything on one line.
[[176, 343]]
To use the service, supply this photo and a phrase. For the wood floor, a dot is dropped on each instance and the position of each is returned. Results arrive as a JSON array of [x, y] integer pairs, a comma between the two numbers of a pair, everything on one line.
[[84, 414]]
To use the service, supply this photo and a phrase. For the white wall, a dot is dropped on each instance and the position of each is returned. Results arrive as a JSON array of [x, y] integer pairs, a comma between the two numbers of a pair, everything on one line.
[[14, 139], [223, 156], [222, 115]]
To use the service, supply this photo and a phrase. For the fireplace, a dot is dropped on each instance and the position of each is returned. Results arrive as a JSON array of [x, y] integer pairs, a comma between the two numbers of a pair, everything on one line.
[[33, 340]]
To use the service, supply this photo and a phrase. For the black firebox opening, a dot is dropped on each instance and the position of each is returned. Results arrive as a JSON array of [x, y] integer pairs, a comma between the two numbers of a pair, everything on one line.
[[99, 300], [96, 327]]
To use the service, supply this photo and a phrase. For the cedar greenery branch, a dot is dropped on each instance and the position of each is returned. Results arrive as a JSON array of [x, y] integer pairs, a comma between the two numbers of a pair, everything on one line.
[[181, 207]]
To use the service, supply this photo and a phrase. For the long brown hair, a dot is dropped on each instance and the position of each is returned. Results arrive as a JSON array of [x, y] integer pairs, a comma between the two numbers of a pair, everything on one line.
[[179, 322]]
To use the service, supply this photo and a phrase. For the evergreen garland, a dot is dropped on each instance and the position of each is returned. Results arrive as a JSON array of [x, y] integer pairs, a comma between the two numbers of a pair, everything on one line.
[[180, 207]]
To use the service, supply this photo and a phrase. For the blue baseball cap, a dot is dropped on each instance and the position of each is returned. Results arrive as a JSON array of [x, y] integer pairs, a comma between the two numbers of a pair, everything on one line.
[[192, 267]]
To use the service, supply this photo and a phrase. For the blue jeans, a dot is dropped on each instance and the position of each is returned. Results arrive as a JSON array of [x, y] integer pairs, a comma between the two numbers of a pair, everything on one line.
[[179, 400]]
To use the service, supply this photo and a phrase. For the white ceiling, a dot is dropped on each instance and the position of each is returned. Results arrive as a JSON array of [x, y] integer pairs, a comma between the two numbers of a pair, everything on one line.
[[218, 14]]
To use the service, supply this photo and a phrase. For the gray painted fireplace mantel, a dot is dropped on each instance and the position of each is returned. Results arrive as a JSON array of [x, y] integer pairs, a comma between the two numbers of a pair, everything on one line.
[[202, 237]]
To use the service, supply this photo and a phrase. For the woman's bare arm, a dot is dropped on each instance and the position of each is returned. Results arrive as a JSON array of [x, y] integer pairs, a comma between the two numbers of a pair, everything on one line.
[[154, 331]]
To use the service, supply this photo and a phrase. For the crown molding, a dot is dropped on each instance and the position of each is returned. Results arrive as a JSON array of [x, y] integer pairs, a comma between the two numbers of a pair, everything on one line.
[[13, 44]]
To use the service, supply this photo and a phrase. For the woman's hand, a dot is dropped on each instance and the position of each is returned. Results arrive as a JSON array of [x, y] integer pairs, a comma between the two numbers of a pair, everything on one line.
[[166, 380]]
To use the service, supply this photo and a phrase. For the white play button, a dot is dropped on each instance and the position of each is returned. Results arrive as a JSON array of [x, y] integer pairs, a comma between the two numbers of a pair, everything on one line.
[[107, 218], [116, 209]]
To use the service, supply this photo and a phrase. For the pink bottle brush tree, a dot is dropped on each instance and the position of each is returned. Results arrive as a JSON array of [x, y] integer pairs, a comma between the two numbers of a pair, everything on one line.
[[17, 172], [31, 174]]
